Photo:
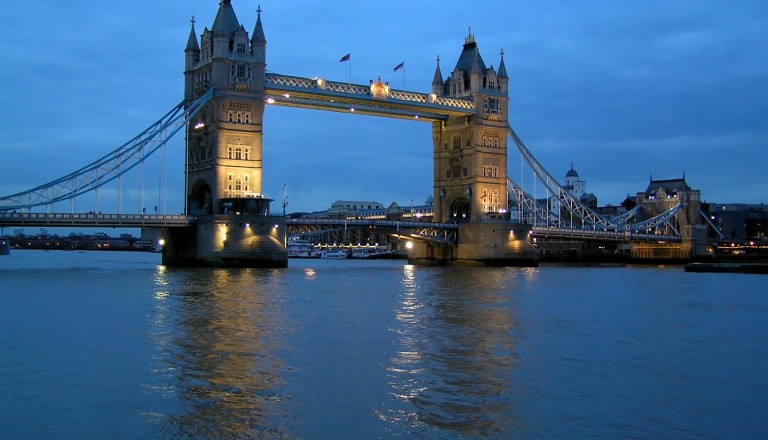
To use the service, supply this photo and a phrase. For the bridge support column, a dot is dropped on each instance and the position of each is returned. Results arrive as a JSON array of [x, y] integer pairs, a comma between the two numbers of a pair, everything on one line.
[[481, 244], [229, 240]]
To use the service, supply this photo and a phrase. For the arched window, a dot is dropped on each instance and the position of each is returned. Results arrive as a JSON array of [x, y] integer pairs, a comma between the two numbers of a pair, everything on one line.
[[456, 142]]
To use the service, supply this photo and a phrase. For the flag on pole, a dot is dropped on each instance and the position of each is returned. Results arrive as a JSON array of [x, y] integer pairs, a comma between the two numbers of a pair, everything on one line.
[[345, 58], [399, 66]]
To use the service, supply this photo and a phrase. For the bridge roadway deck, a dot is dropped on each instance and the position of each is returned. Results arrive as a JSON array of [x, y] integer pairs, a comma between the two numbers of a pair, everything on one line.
[[430, 231], [95, 220], [601, 235], [443, 232]]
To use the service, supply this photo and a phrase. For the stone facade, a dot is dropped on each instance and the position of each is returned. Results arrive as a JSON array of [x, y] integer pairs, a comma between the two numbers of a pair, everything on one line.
[[224, 143], [224, 152], [470, 153]]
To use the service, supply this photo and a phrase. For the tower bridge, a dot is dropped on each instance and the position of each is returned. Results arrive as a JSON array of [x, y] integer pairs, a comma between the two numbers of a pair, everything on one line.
[[227, 219]]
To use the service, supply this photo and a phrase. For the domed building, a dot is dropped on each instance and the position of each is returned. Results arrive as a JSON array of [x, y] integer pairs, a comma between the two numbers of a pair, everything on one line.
[[578, 188]]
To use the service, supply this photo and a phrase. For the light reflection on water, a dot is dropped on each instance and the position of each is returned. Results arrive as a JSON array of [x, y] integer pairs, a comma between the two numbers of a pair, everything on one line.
[[218, 347], [126, 348]]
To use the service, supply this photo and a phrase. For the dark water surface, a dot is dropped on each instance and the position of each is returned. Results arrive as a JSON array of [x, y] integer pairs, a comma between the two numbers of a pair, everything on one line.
[[112, 345]]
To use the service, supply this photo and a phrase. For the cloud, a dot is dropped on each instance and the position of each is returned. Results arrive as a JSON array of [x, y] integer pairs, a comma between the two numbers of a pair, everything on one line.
[[624, 90]]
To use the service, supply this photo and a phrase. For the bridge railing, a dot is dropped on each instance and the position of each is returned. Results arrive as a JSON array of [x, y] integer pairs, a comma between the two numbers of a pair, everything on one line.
[[364, 222], [627, 235], [321, 86], [54, 219]]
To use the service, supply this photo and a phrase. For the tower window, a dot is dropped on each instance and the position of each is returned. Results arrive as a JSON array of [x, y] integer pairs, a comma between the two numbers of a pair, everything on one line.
[[241, 47], [490, 171], [491, 105], [491, 141]]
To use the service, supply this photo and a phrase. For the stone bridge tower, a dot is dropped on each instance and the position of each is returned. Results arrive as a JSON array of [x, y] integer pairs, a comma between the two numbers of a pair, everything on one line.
[[470, 153], [223, 166], [224, 143]]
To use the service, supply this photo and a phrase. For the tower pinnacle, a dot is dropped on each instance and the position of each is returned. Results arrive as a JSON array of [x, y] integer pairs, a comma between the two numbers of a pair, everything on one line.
[[469, 38]]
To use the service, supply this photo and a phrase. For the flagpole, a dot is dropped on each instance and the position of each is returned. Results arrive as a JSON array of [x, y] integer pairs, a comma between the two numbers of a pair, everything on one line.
[[402, 66], [348, 58]]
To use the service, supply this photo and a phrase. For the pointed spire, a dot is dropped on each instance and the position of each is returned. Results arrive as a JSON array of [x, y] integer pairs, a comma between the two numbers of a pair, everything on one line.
[[225, 23], [476, 64], [438, 79], [502, 68], [192, 45], [258, 31]]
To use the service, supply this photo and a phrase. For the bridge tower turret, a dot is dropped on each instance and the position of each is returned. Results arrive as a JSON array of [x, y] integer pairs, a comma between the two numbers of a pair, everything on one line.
[[470, 153], [223, 164], [224, 143]]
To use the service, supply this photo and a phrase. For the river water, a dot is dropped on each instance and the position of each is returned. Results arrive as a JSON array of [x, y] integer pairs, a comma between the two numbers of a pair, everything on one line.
[[114, 345]]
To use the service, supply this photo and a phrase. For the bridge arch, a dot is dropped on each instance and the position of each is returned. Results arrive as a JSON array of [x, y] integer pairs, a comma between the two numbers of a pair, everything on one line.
[[200, 199], [461, 210]]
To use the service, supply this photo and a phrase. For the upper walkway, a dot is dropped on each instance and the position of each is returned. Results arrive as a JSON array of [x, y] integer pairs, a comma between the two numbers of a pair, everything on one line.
[[375, 99]]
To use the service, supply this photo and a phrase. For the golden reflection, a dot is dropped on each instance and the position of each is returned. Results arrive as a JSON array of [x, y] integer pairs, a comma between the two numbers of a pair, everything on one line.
[[406, 366], [221, 358], [530, 273], [161, 282], [456, 350]]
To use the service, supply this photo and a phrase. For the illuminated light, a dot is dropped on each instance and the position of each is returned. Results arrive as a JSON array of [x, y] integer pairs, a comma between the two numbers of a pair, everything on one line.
[[275, 226], [161, 242], [287, 95], [416, 116], [247, 225], [379, 90], [409, 245], [199, 125], [270, 100], [351, 109]]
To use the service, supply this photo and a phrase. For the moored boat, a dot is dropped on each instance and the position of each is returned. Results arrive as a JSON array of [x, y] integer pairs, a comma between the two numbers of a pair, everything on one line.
[[334, 254], [370, 252], [302, 249]]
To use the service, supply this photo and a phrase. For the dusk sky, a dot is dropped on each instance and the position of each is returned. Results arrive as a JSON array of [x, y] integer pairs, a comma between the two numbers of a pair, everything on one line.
[[623, 90]]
